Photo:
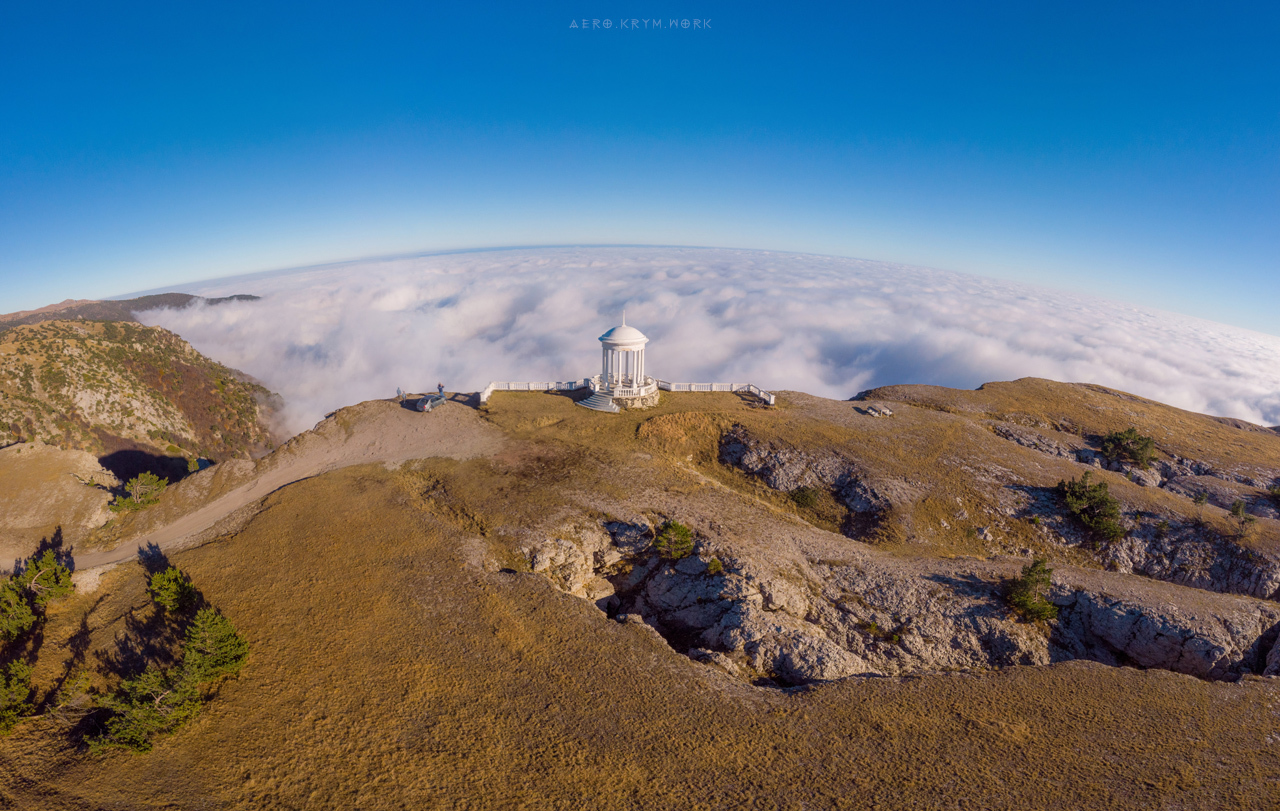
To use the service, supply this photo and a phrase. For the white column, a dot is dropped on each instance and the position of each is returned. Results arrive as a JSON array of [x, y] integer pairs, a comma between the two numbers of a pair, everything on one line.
[[640, 368]]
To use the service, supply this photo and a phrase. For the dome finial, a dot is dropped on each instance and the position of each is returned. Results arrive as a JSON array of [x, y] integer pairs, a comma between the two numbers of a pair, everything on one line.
[[624, 316]]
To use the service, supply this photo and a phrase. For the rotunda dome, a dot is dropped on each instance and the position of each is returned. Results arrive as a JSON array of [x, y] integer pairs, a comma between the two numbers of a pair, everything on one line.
[[624, 338]]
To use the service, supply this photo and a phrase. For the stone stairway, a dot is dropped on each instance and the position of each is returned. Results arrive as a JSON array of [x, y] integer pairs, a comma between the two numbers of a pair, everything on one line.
[[599, 401]]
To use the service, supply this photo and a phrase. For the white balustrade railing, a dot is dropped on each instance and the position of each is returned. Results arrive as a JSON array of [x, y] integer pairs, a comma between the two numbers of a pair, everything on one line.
[[497, 385], [596, 384], [768, 397]]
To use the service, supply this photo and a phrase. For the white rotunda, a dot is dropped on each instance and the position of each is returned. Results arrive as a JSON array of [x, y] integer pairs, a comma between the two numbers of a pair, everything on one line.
[[622, 380]]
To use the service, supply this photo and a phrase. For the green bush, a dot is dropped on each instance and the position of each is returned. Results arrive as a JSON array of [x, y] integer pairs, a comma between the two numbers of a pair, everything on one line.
[[1201, 499], [1242, 518], [1129, 446], [805, 497], [714, 566], [16, 614], [1093, 506], [160, 701], [144, 490], [15, 694], [213, 647], [1026, 593], [45, 578], [172, 590], [674, 541], [144, 707]]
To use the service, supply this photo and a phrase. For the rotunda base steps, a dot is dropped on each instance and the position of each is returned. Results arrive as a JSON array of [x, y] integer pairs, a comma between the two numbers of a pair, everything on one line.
[[599, 401]]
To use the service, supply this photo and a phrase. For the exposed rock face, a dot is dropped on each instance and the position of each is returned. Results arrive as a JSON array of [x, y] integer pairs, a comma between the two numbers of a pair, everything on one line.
[[786, 469], [44, 490], [1191, 556], [814, 622], [1028, 438], [1118, 631]]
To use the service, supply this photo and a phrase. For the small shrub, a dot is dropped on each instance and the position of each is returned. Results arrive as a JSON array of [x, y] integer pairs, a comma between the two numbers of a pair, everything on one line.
[[714, 566], [1129, 446], [1274, 492], [45, 578], [144, 490], [1093, 506], [1241, 517], [16, 614], [15, 694], [172, 590], [1162, 529], [1201, 499], [1025, 594], [1035, 520], [805, 497], [674, 541], [213, 647], [143, 707]]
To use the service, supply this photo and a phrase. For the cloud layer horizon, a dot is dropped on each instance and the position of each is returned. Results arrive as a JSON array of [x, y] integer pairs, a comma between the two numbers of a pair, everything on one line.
[[327, 337]]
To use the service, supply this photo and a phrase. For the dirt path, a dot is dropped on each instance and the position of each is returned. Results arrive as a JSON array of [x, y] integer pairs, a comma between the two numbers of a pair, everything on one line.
[[372, 432]]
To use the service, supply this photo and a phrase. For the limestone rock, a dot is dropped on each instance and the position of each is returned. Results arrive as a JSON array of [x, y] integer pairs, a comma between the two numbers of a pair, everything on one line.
[[1144, 478], [567, 566], [1117, 630]]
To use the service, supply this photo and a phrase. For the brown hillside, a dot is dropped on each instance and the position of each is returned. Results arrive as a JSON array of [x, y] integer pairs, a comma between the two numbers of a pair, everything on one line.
[[411, 646], [113, 310], [111, 387]]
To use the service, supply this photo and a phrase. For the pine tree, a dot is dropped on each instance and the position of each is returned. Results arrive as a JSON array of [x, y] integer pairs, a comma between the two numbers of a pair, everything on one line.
[[172, 590], [213, 647]]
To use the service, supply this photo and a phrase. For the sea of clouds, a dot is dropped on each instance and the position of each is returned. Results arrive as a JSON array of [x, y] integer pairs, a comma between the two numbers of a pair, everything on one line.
[[336, 335]]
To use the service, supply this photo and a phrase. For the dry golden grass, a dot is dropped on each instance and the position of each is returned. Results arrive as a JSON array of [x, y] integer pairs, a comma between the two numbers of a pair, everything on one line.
[[394, 666], [389, 671], [1078, 408]]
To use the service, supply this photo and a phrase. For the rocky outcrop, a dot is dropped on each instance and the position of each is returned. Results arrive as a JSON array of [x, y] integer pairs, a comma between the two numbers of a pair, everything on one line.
[[786, 469], [1196, 557], [1034, 440], [1226, 643], [811, 622]]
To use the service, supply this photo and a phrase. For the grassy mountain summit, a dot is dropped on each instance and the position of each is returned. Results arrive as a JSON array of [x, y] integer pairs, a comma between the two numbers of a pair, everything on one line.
[[106, 386], [483, 607]]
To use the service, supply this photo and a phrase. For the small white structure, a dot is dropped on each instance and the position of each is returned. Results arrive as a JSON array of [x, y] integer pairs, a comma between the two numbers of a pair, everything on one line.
[[623, 378]]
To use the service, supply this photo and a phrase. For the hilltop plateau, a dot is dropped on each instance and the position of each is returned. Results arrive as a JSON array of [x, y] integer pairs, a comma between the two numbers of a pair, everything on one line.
[[488, 607]]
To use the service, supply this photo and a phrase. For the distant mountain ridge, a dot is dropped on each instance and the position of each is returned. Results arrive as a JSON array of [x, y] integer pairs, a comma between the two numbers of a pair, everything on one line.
[[122, 310]]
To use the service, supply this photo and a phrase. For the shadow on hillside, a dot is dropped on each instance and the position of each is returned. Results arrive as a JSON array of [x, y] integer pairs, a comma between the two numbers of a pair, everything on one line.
[[152, 634], [126, 464], [54, 543], [972, 586], [1040, 501]]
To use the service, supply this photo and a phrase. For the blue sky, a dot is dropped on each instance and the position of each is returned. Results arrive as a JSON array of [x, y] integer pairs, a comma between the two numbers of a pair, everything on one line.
[[1132, 151]]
